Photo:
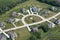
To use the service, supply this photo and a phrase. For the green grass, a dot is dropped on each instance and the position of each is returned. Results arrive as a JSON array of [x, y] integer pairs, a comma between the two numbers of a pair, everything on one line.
[[23, 34], [19, 23], [58, 17], [49, 15], [35, 19], [8, 26]]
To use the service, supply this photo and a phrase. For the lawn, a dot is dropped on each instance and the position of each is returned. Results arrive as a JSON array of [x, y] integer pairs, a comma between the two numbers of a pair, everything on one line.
[[23, 34], [58, 17], [47, 15], [8, 26], [28, 19], [19, 23]]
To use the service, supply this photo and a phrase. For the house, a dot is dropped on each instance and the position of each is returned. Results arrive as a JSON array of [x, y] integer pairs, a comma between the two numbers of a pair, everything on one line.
[[12, 35], [2, 37], [54, 9], [51, 25], [34, 29], [14, 14], [57, 21], [2, 24], [47, 12], [11, 20], [24, 10], [35, 9]]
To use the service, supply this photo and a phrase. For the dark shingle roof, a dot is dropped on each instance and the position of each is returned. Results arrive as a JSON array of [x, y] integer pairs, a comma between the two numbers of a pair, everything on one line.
[[35, 9]]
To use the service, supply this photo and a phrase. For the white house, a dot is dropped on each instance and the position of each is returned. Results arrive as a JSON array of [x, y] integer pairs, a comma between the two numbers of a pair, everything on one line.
[[51, 25]]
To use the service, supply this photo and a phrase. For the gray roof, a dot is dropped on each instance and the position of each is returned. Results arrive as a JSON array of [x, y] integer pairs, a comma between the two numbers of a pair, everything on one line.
[[50, 25], [2, 24], [47, 12], [11, 20], [35, 9], [14, 14], [57, 21], [34, 29], [13, 35], [53, 8], [23, 10], [3, 37]]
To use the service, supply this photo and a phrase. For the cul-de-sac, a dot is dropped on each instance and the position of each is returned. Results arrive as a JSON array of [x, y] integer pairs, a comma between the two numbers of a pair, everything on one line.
[[29, 19]]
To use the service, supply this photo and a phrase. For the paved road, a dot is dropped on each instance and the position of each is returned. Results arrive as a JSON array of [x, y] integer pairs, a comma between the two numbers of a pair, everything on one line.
[[32, 23]]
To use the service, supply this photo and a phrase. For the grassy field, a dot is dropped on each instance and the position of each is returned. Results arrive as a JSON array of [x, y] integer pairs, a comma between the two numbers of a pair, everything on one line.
[[34, 19]]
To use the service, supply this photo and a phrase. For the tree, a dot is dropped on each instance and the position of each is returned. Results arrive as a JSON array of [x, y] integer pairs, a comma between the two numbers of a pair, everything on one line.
[[32, 38], [51, 2]]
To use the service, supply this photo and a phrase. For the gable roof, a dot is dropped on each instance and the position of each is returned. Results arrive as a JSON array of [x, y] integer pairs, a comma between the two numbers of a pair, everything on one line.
[[51, 25], [2, 24], [57, 21], [35, 9], [13, 35], [14, 14], [3, 37], [11, 20]]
